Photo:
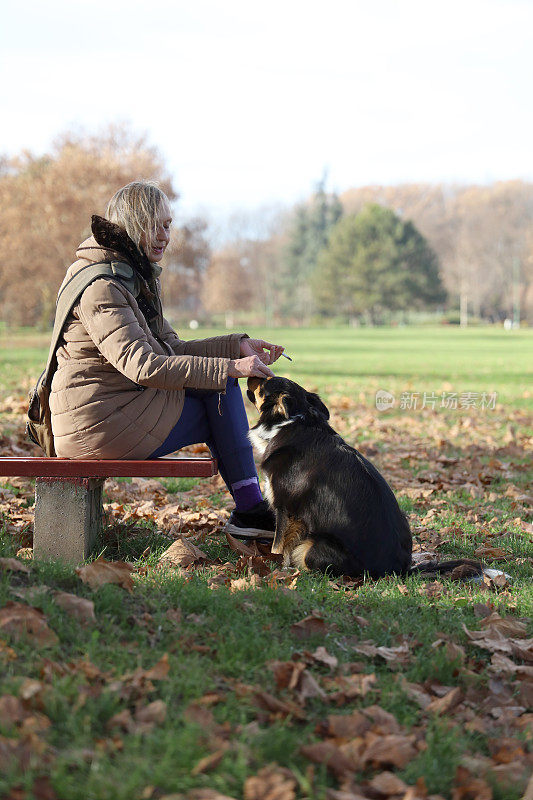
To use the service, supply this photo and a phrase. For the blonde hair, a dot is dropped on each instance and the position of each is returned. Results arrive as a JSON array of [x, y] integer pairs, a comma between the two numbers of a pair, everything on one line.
[[136, 208]]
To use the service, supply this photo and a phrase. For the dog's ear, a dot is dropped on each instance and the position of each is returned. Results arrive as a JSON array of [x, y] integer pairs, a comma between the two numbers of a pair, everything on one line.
[[252, 384], [282, 406], [316, 403]]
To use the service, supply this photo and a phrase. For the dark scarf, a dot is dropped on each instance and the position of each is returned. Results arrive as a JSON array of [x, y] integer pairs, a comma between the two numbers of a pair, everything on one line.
[[112, 237]]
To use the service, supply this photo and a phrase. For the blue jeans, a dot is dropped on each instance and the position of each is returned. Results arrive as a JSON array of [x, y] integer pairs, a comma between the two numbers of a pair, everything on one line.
[[220, 421]]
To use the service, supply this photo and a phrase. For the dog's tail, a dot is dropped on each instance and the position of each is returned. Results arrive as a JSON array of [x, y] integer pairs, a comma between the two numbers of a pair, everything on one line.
[[462, 568]]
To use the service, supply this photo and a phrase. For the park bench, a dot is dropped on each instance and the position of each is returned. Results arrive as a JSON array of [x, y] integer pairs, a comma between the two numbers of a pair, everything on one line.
[[68, 496]]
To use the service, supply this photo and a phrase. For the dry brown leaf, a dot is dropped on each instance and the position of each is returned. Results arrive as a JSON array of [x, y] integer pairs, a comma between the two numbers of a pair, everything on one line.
[[321, 656], [384, 721], [309, 626], [453, 651], [528, 795], [174, 615], [395, 749], [343, 727], [182, 553], [159, 671], [417, 693], [100, 572], [242, 584], [78, 607], [309, 688], [13, 565], [507, 626], [281, 708], [393, 655], [207, 763], [442, 705], [12, 711], [148, 716], [329, 754], [387, 783], [200, 794], [287, 674], [491, 553], [504, 750], [466, 787], [22, 621], [350, 686], [501, 664], [243, 548], [271, 783]]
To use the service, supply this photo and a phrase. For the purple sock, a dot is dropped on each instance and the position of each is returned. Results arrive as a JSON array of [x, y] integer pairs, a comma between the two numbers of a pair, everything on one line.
[[246, 494]]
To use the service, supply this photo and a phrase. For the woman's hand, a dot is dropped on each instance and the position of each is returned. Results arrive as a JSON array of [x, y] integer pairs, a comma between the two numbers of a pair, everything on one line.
[[267, 352], [249, 367]]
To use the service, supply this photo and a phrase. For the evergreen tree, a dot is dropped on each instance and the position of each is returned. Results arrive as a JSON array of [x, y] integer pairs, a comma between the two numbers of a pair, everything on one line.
[[308, 235], [374, 261]]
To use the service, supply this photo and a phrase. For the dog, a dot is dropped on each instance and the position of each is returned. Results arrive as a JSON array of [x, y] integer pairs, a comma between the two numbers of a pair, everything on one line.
[[335, 512]]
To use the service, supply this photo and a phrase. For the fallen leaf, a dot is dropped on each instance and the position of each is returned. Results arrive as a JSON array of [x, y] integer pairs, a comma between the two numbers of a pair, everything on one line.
[[453, 651], [22, 621], [343, 727], [393, 655], [242, 548], [329, 754], [271, 783], [12, 711], [209, 762], [350, 686], [321, 656], [13, 565], [309, 626], [182, 553], [466, 787], [159, 671], [148, 716], [78, 607], [507, 626], [281, 708], [388, 783], [417, 693], [396, 749], [242, 584], [444, 704], [100, 572]]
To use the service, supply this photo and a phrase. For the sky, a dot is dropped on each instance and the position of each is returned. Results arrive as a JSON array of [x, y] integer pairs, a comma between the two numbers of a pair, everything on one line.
[[251, 102]]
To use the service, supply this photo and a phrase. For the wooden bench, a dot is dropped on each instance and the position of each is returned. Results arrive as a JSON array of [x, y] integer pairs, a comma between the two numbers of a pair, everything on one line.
[[68, 496]]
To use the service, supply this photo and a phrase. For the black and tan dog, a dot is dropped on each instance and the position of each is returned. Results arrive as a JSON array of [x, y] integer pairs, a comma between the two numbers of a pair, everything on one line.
[[334, 511]]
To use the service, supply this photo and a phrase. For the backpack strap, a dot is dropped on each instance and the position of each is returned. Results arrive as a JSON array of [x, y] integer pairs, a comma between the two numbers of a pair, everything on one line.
[[72, 290]]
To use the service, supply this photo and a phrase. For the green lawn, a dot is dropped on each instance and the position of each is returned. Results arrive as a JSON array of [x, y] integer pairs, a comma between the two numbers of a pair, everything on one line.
[[464, 478]]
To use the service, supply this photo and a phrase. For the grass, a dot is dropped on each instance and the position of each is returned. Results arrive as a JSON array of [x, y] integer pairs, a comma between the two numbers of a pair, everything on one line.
[[227, 638]]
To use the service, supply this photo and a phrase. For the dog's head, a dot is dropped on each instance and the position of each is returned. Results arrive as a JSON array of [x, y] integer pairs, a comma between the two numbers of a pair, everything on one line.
[[277, 399]]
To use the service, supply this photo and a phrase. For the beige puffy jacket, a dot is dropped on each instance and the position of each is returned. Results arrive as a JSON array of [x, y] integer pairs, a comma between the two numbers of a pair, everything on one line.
[[119, 387]]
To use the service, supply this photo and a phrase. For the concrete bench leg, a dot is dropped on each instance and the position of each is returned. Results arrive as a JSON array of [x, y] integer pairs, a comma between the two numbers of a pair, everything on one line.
[[68, 517]]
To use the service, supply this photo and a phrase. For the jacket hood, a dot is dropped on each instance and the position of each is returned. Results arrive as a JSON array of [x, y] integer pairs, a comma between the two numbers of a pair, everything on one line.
[[111, 242]]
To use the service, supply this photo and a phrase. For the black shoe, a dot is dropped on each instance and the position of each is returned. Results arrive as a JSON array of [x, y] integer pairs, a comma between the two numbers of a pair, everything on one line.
[[256, 523]]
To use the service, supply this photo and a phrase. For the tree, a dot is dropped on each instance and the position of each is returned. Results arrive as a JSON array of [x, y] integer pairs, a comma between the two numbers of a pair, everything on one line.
[[46, 204], [308, 234], [187, 259], [228, 283], [375, 261]]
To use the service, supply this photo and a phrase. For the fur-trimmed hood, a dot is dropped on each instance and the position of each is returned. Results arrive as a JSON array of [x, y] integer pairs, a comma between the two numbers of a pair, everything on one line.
[[111, 242]]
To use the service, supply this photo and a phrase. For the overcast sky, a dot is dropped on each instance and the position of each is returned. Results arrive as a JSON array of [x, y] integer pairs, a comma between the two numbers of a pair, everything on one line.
[[250, 101]]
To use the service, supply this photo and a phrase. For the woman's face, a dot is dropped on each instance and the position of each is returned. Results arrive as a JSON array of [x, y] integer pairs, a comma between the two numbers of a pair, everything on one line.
[[156, 248]]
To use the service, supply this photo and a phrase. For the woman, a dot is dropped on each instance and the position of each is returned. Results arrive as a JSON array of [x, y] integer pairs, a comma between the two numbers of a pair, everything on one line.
[[126, 386]]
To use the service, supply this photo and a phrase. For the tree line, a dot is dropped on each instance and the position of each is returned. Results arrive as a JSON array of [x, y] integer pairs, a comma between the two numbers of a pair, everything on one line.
[[361, 256]]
